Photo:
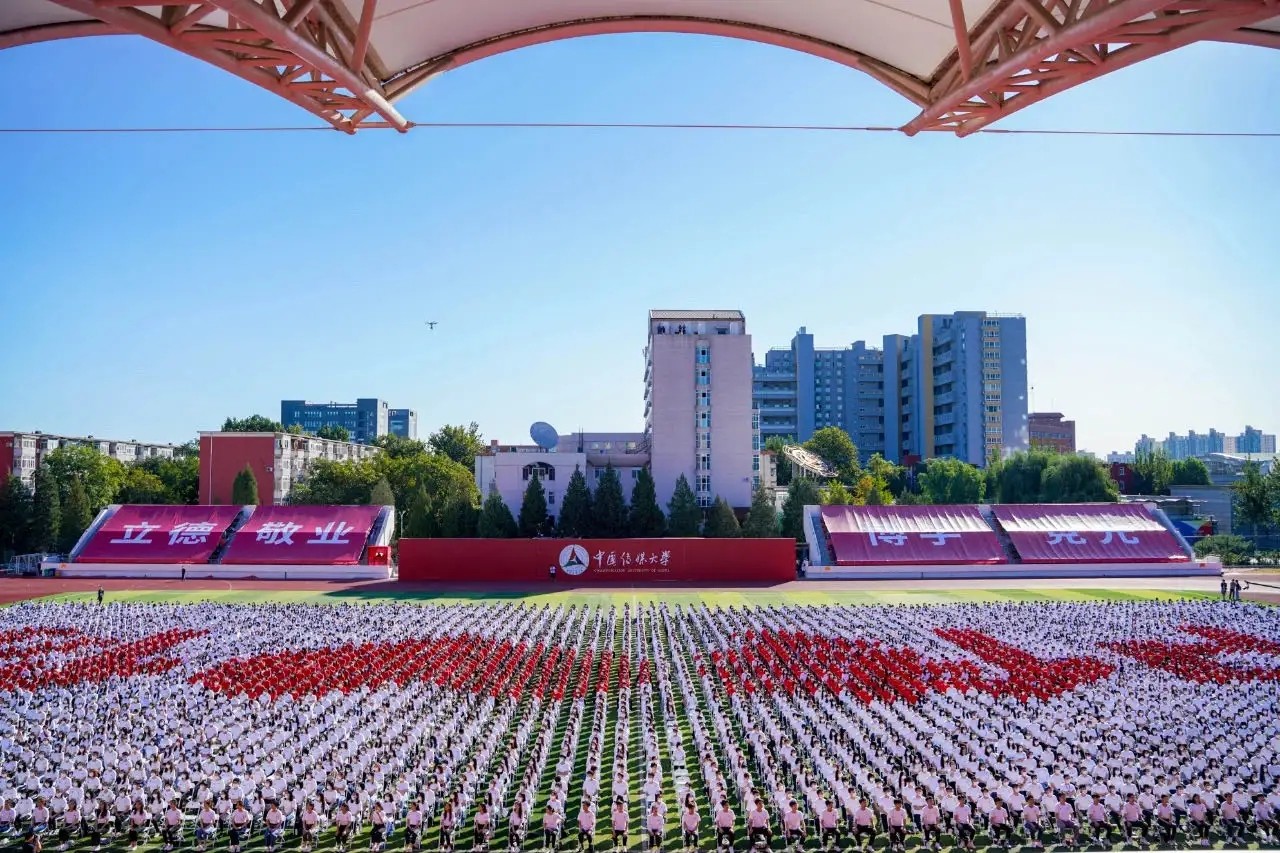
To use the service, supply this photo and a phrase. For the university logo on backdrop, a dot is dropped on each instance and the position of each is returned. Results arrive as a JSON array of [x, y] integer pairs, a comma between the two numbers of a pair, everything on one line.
[[574, 560]]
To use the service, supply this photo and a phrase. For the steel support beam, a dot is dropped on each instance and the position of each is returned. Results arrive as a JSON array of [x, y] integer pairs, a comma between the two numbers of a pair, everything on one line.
[[284, 36], [1031, 49], [53, 32]]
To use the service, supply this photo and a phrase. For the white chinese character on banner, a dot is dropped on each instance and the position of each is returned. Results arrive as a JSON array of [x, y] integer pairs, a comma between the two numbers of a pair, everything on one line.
[[1126, 538], [664, 559], [641, 559], [612, 559], [626, 558], [191, 533], [653, 559], [278, 532], [1071, 538], [939, 539], [331, 534], [898, 539], [599, 558], [136, 534]]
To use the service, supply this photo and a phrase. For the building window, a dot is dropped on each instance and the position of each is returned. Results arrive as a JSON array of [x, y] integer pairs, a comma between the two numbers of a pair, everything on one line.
[[635, 473], [704, 501], [755, 462], [702, 483], [704, 354], [704, 420], [704, 440], [704, 376], [704, 398], [704, 461], [551, 498]]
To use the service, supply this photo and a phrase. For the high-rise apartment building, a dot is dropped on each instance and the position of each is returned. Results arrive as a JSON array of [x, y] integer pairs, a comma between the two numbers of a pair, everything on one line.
[[958, 387], [699, 417], [1176, 447]]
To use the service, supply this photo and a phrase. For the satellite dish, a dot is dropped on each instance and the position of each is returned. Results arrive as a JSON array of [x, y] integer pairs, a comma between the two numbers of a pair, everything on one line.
[[544, 435]]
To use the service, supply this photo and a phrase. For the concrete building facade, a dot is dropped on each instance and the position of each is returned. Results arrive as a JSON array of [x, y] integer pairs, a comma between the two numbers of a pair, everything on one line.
[[508, 468], [957, 387], [21, 453], [279, 461], [1050, 431], [366, 419], [700, 420], [402, 422]]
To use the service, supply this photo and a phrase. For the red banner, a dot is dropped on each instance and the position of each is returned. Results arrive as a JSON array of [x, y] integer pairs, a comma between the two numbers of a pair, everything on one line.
[[1088, 533], [910, 535], [159, 534], [580, 562], [302, 536]]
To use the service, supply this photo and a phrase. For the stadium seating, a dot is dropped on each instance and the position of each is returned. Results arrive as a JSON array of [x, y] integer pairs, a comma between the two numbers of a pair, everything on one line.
[[234, 541], [998, 541]]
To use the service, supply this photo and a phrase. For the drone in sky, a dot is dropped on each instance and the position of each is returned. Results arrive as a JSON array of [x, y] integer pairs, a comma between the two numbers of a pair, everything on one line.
[[431, 324]]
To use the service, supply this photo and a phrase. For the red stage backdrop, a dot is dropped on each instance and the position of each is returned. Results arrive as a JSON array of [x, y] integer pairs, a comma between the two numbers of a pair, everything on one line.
[[581, 562]]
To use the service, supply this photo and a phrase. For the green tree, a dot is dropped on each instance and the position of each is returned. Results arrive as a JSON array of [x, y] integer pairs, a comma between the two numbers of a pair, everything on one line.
[[802, 493], [334, 432], [179, 475], [46, 519], [1152, 473], [419, 519], [459, 443], [100, 476], [646, 516], [609, 506], [1018, 478], [890, 479], [684, 516], [331, 482], [721, 522], [253, 423], [1254, 501], [140, 486], [1233, 550], [381, 494], [835, 494], [574, 520], [838, 450], [762, 518], [16, 516], [1078, 479], [76, 517], [951, 481], [776, 445], [398, 447], [871, 490], [458, 518], [244, 490], [1190, 472], [295, 429], [496, 520], [533, 509]]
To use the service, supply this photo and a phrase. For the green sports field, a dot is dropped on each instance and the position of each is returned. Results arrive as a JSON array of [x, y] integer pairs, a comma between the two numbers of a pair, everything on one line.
[[722, 598]]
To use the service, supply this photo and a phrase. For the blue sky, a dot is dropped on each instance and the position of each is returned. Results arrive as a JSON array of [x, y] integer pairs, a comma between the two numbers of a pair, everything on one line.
[[153, 285]]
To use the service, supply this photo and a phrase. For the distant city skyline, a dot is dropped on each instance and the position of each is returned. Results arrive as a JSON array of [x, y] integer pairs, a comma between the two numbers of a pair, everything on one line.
[[141, 306]]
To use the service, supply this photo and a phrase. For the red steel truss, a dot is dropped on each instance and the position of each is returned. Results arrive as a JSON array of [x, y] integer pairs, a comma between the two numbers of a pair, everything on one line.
[[312, 54], [298, 49], [1027, 50]]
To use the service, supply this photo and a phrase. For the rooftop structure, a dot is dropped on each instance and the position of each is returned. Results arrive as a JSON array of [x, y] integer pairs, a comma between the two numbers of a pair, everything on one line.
[[963, 64]]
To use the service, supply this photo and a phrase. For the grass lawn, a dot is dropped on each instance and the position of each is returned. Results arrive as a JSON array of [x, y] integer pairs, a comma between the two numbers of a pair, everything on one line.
[[726, 598]]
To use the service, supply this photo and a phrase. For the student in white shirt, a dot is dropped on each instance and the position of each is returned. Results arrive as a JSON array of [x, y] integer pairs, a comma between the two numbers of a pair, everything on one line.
[[343, 820], [724, 821], [413, 827], [1031, 815], [829, 825], [864, 825], [274, 830], [689, 821], [654, 827], [793, 824]]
